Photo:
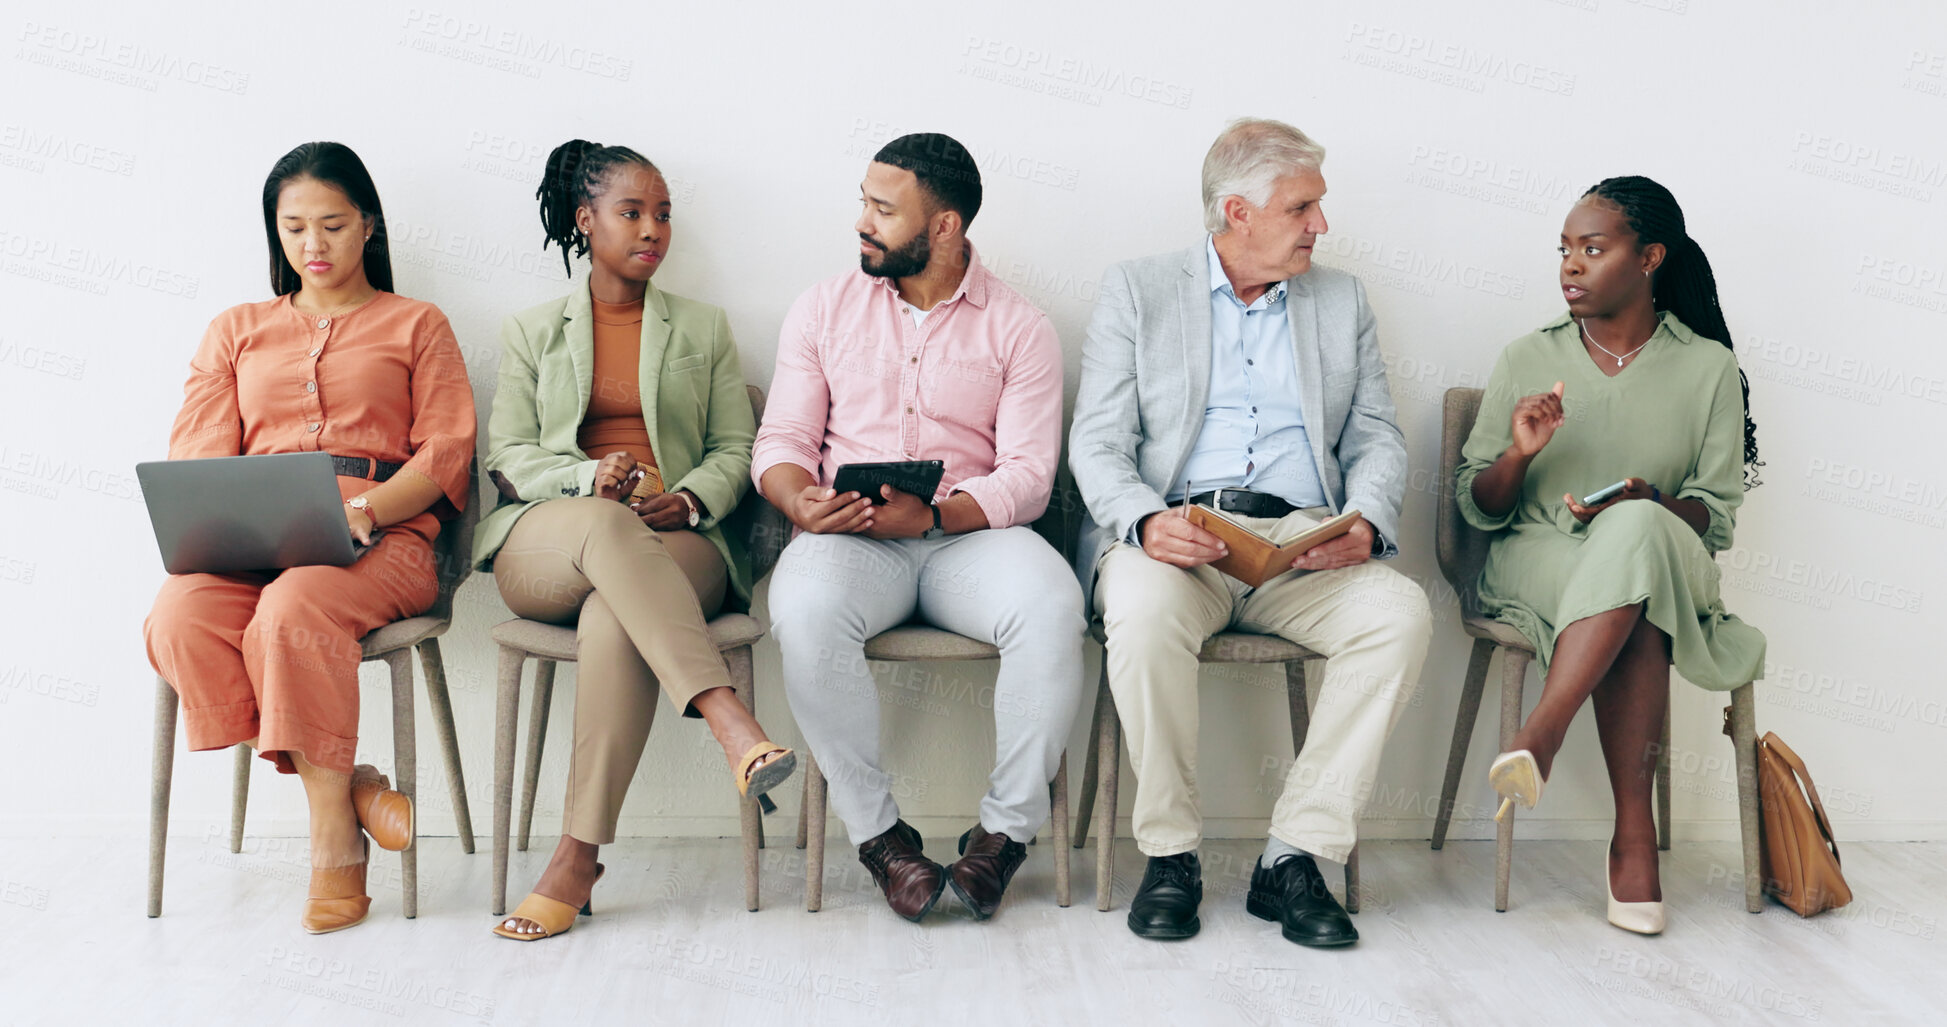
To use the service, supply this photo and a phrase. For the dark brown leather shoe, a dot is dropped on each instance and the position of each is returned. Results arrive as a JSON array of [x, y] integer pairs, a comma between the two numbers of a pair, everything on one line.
[[912, 882], [987, 862]]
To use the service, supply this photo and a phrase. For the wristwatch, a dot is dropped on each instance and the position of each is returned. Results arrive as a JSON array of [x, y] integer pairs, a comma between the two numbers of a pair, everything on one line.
[[364, 506], [936, 531], [696, 516]]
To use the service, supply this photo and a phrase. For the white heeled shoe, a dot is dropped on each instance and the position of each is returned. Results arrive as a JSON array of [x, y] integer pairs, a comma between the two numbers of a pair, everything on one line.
[[1516, 777], [1639, 917]]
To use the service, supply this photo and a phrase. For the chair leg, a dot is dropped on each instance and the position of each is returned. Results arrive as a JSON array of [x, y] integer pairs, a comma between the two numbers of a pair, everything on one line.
[[743, 682], [1085, 802], [1514, 671], [1463, 733], [1297, 696], [1058, 804], [814, 851], [1744, 741], [1352, 880], [507, 713], [162, 771], [804, 804], [449, 740], [537, 736], [1108, 731], [405, 768], [1663, 782], [239, 794]]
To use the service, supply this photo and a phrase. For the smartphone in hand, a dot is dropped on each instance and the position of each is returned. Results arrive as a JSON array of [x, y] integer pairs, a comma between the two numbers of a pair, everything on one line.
[[1605, 494]]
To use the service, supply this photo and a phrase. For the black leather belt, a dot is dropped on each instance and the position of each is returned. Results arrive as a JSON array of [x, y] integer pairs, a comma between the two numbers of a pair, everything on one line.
[[1244, 501], [364, 467]]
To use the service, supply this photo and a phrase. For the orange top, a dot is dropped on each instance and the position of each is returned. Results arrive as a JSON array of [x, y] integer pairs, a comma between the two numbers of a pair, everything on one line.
[[614, 420], [384, 380]]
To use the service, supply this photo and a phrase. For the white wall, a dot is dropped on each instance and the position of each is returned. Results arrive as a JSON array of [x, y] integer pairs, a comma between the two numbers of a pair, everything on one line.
[[1803, 142]]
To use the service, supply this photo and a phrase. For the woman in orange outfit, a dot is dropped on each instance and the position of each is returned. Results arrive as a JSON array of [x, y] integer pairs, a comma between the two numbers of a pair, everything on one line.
[[336, 363]]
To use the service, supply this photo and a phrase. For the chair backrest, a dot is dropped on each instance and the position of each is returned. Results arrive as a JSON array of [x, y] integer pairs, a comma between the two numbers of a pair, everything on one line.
[[1461, 547], [1061, 523], [765, 529], [453, 549]]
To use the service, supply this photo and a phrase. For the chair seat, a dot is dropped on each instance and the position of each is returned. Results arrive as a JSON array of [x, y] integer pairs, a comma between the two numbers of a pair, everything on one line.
[[909, 642], [1497, 632], [557, 641], [402, 634], [1234, 647], [1249, 647]]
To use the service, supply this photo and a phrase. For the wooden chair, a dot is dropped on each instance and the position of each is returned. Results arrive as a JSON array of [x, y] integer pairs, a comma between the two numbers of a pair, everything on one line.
[[1100, 774], [919, 642], [550, 644], [394, 643], [1462, 550]]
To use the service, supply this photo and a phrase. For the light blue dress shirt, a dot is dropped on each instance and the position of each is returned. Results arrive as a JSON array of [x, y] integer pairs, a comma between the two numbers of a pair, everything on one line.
[[1253, 433]]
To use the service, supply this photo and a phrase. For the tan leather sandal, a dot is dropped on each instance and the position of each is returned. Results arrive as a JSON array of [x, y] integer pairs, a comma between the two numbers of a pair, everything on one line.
[[385, 814], [756, 782], [552, 916], [337, 898]]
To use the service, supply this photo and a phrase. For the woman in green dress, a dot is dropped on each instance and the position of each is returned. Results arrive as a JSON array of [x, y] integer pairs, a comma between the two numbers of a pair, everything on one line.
[[1635, 383]]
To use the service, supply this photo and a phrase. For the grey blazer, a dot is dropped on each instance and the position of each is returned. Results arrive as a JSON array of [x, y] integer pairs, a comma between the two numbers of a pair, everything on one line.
[[1146, 377]]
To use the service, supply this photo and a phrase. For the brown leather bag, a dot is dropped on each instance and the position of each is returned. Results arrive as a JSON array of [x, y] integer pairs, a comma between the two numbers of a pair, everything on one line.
[[1799, 858]]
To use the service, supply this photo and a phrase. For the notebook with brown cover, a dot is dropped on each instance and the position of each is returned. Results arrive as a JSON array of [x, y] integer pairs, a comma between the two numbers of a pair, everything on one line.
[[1255, 559]]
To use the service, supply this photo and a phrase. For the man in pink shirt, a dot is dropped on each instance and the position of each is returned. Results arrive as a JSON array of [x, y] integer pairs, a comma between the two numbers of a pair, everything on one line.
[[922, 354]]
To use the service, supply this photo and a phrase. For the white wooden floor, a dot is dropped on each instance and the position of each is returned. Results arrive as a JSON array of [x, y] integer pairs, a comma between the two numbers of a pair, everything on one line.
[[669, 944]]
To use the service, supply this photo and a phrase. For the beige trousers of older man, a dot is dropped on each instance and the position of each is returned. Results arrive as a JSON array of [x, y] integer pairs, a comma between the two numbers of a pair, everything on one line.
[[1371, 622]]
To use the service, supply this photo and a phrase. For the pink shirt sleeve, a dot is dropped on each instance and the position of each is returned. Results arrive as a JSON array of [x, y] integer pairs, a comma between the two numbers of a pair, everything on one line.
[[1027, 432], [793, 430]]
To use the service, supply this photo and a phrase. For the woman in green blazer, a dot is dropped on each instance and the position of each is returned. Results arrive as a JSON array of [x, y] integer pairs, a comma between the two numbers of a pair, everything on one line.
[[619, 441]]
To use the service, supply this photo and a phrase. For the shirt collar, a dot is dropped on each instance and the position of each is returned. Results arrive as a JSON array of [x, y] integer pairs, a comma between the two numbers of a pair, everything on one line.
[[973, 284], [1220, 282]]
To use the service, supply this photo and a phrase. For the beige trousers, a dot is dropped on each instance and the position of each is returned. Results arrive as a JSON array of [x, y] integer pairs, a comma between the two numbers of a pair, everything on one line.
[[639, 599], [1370, 621]]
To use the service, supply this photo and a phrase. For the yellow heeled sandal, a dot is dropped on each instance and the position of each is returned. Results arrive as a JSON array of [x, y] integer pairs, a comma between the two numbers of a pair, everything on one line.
[[760, 781], [552, 916]]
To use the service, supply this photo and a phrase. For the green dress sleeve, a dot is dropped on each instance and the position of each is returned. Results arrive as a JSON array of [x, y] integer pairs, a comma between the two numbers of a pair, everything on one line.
[[1717, 479], [1491, 437]]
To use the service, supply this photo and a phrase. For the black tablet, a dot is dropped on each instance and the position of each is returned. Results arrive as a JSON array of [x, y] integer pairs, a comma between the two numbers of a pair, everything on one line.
[[915, 477]]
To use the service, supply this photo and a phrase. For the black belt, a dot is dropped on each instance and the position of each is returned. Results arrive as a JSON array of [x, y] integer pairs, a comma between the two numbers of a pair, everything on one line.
[[1246, 502], [364, 467]]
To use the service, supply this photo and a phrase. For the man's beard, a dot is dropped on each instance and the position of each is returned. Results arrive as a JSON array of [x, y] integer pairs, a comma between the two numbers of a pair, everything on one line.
[[904, 262]]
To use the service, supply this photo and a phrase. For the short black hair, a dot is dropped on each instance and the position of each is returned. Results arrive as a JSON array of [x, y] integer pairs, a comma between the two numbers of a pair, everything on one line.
[[944, 168]]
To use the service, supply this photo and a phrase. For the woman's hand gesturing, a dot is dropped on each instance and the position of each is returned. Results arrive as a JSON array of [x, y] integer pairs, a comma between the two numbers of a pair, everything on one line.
[[1535, 419]]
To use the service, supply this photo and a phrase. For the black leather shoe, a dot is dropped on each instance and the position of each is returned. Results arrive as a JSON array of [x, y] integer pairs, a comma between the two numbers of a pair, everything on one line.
[[1165, 906], [1293, 893], [987, 862]]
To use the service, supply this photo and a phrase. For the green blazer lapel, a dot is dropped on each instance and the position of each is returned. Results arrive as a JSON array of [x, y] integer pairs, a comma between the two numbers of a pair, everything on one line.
[[655, 343], [578, 332]]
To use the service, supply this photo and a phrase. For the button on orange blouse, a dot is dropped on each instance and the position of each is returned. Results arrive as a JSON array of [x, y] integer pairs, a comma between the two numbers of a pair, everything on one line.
[[275, 655]]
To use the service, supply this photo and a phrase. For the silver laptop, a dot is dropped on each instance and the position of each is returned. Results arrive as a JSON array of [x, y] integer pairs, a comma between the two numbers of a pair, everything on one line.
[[247, 513]]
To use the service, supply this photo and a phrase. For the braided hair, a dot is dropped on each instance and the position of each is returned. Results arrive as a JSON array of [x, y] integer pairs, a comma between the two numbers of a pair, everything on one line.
[[1684, 284], [577, 172]]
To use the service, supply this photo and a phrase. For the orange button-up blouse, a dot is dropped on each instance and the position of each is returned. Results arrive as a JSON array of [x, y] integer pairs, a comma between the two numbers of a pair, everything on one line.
[[384, 380]]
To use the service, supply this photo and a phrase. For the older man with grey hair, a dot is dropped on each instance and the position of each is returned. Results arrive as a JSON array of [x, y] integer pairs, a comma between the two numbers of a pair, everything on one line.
[[1235, 375]]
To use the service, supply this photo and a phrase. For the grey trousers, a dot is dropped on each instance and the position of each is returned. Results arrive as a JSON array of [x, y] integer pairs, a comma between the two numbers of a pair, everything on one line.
[[1006, 586]]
